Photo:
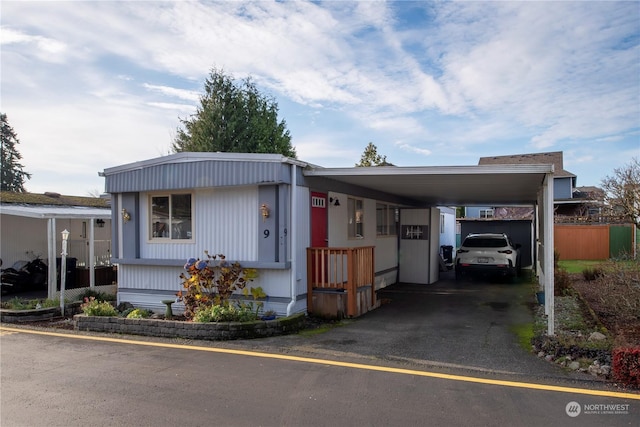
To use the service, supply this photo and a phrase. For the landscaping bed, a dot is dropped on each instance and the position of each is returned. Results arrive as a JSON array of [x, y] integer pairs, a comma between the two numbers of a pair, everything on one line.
[[40, 314], [191, 330], [608, 304], [597, 322]]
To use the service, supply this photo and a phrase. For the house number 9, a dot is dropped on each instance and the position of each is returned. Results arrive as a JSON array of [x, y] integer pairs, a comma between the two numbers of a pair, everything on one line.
[[266, 233]]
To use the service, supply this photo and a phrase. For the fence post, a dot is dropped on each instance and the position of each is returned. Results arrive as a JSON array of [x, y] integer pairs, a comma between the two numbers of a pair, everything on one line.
[[372, 273], [352, 303], [309, 281]]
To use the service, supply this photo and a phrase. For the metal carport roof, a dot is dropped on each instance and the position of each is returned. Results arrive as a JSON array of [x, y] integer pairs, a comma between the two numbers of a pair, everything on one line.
[[50, 213], [484, 185], [448, 185], [64, 212]]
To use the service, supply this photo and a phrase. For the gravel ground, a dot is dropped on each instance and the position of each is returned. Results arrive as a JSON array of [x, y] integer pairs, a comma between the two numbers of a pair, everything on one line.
[[569, 316]]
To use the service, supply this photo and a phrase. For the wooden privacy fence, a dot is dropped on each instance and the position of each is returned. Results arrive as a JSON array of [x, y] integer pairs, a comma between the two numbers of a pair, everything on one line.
[[593, 242], [340, 281]]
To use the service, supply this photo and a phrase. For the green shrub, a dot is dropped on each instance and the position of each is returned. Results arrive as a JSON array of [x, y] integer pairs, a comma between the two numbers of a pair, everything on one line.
[[224, 313], [48, 303], [101, 296], [138, 313], [211, 282], [17, 303], [94, 307], [562, 282], [592, 273]]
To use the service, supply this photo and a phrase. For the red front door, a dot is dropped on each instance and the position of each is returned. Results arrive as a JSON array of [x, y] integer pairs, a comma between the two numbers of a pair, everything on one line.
[[319, 237]]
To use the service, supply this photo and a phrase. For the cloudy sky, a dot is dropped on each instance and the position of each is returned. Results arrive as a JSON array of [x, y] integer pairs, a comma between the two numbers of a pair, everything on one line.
[[88, 85]]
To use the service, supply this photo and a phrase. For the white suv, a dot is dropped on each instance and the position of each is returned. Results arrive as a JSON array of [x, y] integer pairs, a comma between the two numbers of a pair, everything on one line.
[[488, 252]]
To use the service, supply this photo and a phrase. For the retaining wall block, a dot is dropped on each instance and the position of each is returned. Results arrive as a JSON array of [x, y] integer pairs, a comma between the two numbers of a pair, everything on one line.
[[192, 330]]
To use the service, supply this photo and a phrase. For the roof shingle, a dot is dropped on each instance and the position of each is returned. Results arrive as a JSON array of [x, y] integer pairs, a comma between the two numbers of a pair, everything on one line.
[[554, 158]]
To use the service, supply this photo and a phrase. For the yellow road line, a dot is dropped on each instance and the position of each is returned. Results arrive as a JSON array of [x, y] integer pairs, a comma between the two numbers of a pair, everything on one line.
[[503, 383]]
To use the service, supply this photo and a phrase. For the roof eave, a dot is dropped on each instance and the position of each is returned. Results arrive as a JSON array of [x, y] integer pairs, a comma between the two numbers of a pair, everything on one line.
[[186, 157], [432, 170]]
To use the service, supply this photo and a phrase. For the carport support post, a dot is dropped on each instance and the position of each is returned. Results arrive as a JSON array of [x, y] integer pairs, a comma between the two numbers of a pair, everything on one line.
[[549, 285], [92, 255], [51, 256]]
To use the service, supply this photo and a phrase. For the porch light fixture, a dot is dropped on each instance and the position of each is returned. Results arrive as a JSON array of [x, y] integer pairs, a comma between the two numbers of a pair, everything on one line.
[[100, 223], [126, 217], [65, 238], [334, 202], [264, 211]]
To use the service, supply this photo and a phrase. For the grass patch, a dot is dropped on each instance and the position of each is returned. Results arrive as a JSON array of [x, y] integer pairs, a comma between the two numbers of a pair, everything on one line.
[[578, 266], [525, 334], [319, 329]]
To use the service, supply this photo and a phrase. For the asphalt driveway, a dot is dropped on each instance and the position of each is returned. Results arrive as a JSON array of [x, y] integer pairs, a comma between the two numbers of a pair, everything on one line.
[[468, 325]]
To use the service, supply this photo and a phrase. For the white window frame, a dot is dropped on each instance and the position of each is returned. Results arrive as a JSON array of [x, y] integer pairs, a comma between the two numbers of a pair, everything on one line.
[[386, 220], [168, 235], [486, 213]]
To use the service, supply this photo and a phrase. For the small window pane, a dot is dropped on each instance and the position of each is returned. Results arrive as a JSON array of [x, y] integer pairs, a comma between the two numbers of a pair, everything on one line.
[[171, 217], [382, 219], [351, 225], [359, 219], [355, 213], [160, 216], [181, 216]]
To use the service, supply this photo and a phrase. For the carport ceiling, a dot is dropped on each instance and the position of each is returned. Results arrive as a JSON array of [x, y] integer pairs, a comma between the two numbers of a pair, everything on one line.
[[486, 185]]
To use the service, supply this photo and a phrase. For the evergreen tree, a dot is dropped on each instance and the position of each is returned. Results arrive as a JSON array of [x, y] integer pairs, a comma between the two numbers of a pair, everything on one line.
[[370, 157], [234, 118], [13, 175]]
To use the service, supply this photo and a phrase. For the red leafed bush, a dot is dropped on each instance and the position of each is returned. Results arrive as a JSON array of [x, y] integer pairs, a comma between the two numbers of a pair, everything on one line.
[[626, 365]]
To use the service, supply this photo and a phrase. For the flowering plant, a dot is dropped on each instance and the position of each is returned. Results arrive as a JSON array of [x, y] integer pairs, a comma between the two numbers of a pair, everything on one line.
[[94, 307], [211, 281]]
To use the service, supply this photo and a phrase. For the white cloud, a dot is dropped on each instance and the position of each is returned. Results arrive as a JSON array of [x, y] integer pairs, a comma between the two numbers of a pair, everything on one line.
[[500, 76], [188, 95], [46, 49], [412, 149], [320, 151]]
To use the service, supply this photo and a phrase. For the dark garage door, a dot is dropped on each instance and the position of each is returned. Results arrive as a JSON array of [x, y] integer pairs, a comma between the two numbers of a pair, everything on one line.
[[518, 230]]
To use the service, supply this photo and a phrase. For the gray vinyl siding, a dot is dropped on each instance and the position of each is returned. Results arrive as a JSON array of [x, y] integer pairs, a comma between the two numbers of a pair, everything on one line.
[[199, 174], [562, 188], [146, 286], [225, 221], [303, 239]]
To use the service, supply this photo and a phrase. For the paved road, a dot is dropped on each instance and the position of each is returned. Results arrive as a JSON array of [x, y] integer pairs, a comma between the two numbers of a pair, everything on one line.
[[78, 381]]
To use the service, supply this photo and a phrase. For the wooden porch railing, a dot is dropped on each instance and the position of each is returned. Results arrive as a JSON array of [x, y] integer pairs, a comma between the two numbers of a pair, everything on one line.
[[341, 269]]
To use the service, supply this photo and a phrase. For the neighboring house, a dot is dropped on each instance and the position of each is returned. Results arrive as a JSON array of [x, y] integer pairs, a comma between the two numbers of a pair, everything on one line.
[[593, 203], [573, 206], [31, 225], [319, 238], [569, 201]]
